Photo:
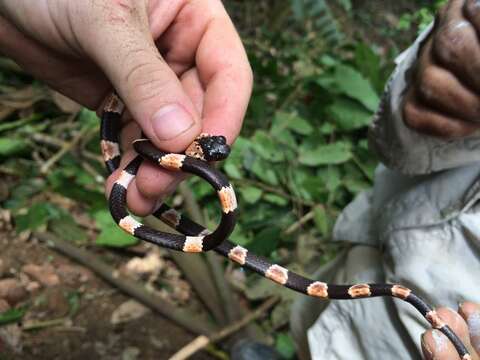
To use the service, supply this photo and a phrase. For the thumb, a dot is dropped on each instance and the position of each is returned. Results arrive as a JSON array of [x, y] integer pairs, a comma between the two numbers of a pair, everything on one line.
[[150, 89]]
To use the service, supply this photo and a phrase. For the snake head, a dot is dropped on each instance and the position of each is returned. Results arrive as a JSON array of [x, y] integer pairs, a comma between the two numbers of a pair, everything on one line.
[[214, 148]]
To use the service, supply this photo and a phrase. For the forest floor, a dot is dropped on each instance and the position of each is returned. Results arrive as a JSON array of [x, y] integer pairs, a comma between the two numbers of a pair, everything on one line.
[[74, 312]]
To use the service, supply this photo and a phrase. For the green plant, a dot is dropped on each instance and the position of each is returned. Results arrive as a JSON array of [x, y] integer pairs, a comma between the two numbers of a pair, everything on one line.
[[421, 18]]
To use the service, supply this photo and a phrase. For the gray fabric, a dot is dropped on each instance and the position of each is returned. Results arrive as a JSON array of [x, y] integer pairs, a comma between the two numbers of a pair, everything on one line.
[[422, 231]]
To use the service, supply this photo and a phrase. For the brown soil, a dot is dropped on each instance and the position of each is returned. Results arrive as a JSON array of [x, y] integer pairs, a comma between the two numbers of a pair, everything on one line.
[[90, 334]]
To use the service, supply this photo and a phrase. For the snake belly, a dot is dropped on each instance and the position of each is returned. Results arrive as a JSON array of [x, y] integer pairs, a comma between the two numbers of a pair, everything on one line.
[[195, 238]]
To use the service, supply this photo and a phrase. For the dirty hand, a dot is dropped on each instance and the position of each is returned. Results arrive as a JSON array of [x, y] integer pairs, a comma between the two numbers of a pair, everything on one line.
[[465, 323], [179, 66], [444, 99]]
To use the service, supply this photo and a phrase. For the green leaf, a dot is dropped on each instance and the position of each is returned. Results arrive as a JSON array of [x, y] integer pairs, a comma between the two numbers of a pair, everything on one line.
[[275, 199], [356, 186], [285, 346], [111, 234], [291, 121], [67, 229], [335, 153], [12, 315], [353, 84], [321, 220], [251, 194], [12, 146], [349, 114], [239, 236], [346, 4], [266, 147], [232, 170], [88, 118], [264, 172], [266, 241], [332, 178], [38, 214]]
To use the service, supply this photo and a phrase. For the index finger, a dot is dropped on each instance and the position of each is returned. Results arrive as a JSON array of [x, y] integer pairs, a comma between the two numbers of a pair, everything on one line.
[[225, 72]]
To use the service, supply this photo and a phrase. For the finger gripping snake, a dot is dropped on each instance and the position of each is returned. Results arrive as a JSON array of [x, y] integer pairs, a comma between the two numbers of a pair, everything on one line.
[[195, 238]]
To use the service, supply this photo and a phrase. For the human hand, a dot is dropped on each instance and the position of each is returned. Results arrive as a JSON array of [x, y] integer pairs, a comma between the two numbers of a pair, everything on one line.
[[465, 323], [444, 97], [178, 65]]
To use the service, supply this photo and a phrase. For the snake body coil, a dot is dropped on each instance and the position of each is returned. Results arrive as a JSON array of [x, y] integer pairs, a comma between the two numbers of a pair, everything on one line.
[[195, 238]]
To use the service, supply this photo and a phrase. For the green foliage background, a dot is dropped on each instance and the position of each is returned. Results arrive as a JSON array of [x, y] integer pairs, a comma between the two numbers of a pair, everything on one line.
[[302, 155]]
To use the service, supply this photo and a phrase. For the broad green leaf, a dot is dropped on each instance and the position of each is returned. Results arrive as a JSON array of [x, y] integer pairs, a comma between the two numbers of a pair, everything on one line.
[[335, 153], [275, 199], [349, 114], [12, 315], [266, 147], [353, 84], [266, 241], [292, 121], [232, 170], [111, 235], [12, 146], [264, 172], [356, 186], [251, 194], [368, 62]]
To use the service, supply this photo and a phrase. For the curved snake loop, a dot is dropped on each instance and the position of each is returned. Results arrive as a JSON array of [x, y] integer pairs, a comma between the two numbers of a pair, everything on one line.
[[195, 238]]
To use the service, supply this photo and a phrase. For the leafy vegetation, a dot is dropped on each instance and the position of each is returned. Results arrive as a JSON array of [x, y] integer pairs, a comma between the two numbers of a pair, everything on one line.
[[301, 158]]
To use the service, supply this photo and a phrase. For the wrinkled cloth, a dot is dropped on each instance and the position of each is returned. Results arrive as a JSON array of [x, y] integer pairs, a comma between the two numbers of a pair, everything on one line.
[[419, 226]]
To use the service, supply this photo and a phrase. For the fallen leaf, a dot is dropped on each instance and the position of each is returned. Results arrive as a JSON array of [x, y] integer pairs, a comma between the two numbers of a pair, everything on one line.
[[44, 274], [12, 291], [128, 311], [151, 264]]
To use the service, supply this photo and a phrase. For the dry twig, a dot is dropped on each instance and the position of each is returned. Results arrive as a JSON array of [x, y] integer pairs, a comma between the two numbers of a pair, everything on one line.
[[202, 341], [184, 318]]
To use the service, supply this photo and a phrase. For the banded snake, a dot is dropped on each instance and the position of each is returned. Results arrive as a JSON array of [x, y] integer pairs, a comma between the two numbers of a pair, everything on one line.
[[194, 238]]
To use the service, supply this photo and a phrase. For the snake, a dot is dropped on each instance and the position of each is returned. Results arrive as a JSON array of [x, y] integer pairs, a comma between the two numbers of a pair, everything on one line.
[[194, 238]]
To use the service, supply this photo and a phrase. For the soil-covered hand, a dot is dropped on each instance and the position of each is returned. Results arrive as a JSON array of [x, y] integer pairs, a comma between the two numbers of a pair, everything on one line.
[[179, 66], [444, 99], [465, 323]]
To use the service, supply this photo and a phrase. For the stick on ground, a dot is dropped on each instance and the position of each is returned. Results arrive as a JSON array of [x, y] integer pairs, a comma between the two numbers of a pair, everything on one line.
[[183, 318], [202, 341]]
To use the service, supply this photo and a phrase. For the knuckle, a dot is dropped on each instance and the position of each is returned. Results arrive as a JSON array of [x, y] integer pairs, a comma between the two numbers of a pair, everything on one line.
[[449, 44], [146, 79]]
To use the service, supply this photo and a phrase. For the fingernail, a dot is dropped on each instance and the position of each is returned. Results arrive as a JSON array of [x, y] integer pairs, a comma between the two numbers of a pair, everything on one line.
[[171, 121]]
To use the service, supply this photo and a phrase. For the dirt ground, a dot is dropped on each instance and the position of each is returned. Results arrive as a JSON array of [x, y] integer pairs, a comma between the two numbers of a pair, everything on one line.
[[89, 332]]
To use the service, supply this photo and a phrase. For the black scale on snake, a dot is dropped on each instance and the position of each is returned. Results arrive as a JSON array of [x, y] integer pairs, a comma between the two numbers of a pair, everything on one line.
[[194, 238]]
